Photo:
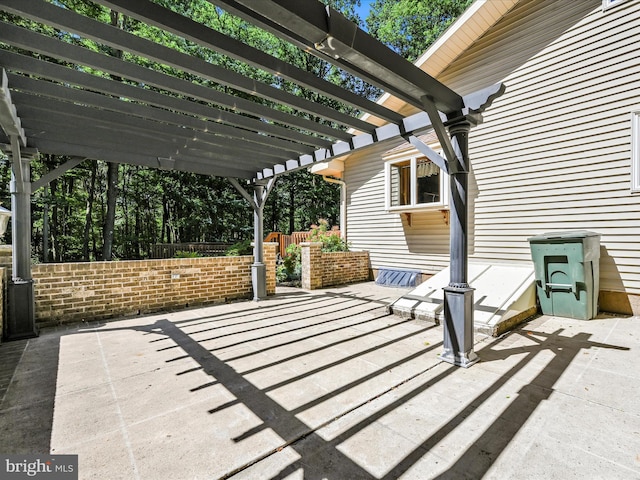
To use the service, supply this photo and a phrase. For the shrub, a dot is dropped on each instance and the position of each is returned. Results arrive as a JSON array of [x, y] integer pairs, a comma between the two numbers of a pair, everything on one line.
[[241, 248], [186, 254], [291, 267], [330, 239], [281, 274], [290, 270], [292, 261]]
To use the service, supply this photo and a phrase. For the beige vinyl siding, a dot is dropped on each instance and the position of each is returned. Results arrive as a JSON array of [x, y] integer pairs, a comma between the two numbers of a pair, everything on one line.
[[391, 242], [553, 152]]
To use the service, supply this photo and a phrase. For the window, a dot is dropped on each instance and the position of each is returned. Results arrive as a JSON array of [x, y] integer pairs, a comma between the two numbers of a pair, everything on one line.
[[414, 183], [635, 152], [607, 4]]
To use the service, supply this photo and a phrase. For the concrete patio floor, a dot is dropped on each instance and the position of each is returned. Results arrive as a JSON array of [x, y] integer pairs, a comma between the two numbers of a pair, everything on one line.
[[325, 385]]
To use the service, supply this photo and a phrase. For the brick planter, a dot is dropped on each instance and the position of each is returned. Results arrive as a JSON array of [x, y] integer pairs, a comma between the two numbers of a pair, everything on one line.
[[325, 269]]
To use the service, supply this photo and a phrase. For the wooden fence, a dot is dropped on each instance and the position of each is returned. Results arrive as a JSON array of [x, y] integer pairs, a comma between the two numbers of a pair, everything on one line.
[[286, 240], [216, 249]]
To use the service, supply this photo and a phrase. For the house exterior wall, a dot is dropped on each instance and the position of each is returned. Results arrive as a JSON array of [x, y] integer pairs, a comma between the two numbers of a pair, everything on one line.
[[553, 153], [393, 240], [88, 291]]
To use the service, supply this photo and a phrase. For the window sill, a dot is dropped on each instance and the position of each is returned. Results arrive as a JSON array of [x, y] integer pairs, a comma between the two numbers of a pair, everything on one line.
[[417, 208]]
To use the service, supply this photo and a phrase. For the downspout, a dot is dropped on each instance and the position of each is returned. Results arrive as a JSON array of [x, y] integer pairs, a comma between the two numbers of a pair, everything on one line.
[[343, 204]]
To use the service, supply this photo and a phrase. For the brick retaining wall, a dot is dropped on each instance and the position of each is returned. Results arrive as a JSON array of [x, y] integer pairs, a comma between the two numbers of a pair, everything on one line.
[[68, 292], [325, 269]]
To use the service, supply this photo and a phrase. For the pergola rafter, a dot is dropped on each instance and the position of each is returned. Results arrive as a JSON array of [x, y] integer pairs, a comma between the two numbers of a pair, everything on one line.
[[49, 97], [152, 13], [42, 44], [326, 33], [119, 39], [231, 105], [256, 131]]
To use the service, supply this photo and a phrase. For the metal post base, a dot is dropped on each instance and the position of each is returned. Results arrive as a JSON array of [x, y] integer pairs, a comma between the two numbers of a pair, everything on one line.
[[259, 280], [458, 327], [21, 315]]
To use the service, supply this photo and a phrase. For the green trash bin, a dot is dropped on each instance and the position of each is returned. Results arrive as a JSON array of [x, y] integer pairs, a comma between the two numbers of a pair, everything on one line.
[[567, 266]]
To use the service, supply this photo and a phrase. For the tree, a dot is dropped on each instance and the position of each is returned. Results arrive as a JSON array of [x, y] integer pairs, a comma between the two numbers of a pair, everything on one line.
[[299, 200], [113, 171], [410, 26], [99, 210], [90, 187]]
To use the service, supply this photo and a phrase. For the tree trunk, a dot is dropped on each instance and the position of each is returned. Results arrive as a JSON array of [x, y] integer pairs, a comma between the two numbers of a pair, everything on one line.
[[89, 213], [137, 234], [112, 174], [164, 230], [110, 217], [55, 244], [292, 208], [45, 226], [126, 233]]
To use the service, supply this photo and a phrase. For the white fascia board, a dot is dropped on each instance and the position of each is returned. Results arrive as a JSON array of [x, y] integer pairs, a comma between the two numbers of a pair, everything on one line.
[[465, 27]]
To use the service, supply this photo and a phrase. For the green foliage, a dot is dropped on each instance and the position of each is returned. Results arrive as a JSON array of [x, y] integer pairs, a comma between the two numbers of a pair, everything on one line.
[[410, 26], [298, 200], [281, 274], [290, 270], [291, 267], [240, 248], [330, 238], [185, 254], [292, 261], [334, 243]]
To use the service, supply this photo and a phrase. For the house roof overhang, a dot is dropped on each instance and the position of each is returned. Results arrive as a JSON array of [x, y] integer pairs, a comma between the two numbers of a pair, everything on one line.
[[188, 125], [461, 34]]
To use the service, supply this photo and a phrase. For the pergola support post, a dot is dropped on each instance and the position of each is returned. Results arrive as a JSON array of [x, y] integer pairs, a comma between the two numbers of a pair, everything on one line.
[[261, 190], [258, 269], [458, 295], [21, 321]]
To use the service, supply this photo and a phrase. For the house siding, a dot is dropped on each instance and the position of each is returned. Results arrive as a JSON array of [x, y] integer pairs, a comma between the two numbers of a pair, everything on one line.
[[553, 152], [388, 237]]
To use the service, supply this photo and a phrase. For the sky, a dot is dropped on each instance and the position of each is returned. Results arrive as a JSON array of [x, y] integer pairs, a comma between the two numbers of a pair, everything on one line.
[[363, 10]]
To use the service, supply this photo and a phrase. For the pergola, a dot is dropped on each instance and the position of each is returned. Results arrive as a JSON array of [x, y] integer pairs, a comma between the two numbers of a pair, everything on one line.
[[58, 109]]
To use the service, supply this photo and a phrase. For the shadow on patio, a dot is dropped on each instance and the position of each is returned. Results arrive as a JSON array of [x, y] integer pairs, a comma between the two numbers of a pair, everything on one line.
[[326, 385]]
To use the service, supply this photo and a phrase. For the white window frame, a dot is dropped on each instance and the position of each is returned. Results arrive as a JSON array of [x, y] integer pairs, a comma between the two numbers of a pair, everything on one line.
[[607, 4], [413, 205], [635, 152]]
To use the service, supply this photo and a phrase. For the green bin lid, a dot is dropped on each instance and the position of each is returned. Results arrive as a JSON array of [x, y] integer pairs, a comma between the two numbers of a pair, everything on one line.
[[571, 235]]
